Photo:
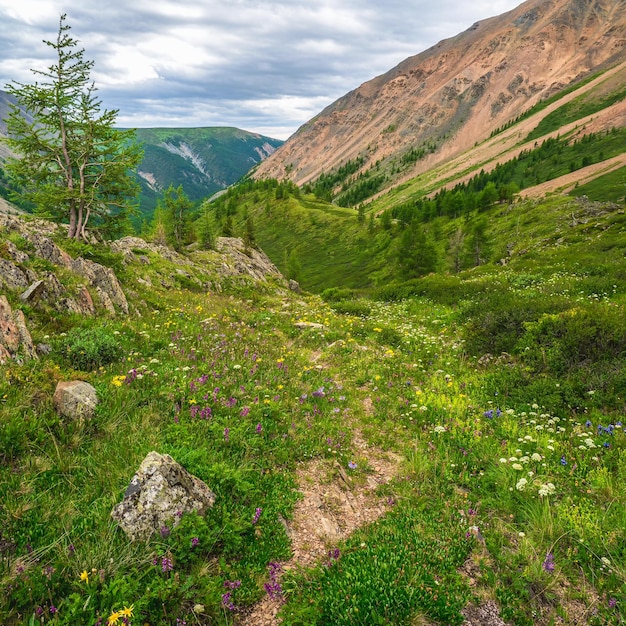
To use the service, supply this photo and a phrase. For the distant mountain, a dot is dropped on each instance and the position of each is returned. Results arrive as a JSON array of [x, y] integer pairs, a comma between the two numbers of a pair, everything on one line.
[[437, 105], [202, 160]]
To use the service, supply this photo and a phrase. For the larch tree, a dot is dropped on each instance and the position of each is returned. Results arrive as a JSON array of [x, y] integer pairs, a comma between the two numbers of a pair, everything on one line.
[[71, 162]]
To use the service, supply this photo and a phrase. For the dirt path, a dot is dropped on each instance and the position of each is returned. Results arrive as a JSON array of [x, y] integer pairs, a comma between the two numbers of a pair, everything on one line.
[[334, 504]]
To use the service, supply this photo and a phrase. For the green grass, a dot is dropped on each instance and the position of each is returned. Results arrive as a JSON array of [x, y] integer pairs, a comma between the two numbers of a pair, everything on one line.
[[500, 389]]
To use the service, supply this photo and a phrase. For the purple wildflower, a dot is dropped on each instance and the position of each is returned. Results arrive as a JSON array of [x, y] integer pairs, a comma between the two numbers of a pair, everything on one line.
[[548, 563], [227, 601], [226, 434], [232, 584], [319, 393], [259, 428], [612, 603], [53, 609], [165, 532], [194, 542], [166, 564], [273, 588], [244, 412], [257, 515], [352, 465]]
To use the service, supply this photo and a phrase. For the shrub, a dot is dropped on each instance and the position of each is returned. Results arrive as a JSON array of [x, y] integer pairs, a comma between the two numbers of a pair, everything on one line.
[[359, 308], [88, 349], [574, 338]]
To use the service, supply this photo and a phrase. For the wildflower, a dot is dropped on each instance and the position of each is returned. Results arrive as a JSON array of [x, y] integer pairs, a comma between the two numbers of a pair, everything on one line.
[[521, 484], [612, 603], [547, 490], [536, 457], [194, 542], [53, 609], [517, 466], [439, 429], [127, 611], [165, 532], [548, 563], [84, 576], [352, 465], [166, 564], [226, 434], [259, 429], [257, 515], [244, 412], [227, 601], [563, 461]]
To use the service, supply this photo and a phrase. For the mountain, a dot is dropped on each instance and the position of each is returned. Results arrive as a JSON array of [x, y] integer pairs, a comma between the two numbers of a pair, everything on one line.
[[202, 160], [438, 104]]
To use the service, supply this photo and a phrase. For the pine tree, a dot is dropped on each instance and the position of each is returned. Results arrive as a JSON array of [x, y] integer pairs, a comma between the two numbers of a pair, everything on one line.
[[74, 164]]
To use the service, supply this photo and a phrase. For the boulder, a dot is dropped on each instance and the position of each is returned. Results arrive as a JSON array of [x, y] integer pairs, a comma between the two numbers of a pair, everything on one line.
[[294, 286], [75, 399], [158, 495]]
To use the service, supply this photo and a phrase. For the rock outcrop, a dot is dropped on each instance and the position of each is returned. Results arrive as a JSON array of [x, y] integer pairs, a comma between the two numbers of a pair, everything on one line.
[[15, 340], [159, 494], [75, 399]]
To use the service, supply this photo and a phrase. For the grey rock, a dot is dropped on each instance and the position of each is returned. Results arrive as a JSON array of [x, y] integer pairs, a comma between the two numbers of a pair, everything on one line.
[[294, 286], [12, 276], [158, 495], [75, 399], [26, 342], [34, 291], [103, 279]]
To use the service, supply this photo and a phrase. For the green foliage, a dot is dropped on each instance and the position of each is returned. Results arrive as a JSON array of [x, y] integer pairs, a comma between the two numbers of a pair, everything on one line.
[[580, 336], [74, 164], [386, 575], [87, 349]]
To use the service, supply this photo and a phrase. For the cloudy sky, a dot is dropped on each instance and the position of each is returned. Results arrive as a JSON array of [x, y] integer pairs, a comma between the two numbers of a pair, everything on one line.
[[265, 66]]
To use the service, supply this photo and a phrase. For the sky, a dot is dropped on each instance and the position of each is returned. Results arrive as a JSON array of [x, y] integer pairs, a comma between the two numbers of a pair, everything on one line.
[[265, 66]]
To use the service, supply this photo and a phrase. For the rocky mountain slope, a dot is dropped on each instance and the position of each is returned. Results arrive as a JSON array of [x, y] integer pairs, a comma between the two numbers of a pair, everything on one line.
[[436, 105]]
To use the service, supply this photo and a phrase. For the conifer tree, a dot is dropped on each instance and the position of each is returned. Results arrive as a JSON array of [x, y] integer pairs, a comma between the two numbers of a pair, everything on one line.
[[72, 163]]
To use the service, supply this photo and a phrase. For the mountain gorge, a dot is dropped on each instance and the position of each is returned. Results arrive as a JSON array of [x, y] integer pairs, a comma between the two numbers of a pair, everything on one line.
[[438, 104]]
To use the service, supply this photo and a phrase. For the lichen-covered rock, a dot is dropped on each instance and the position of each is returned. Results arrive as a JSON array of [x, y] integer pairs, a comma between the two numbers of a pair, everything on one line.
[[75, 399], [103, 279], [158, 495]]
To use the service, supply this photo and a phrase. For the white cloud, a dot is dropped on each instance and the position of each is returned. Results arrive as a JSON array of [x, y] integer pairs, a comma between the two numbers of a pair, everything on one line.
[[266, 66]]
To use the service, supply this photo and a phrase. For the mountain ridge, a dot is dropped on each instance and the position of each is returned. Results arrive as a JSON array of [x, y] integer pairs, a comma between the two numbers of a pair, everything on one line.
[[452, 95]]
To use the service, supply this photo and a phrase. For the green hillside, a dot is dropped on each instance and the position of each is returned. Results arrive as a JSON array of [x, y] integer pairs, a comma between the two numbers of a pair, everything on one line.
[[202, 160]]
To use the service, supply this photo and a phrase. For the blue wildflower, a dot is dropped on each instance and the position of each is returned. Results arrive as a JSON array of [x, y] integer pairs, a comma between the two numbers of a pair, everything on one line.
[[563, 461], [588, 424]]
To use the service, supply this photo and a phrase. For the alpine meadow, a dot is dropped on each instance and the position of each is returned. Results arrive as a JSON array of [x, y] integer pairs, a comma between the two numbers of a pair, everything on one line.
[[373, 375]]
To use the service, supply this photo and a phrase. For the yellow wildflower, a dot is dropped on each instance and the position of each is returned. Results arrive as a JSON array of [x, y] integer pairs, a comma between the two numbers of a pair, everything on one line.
[[114, 618], [84, 576], [127, 611]]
